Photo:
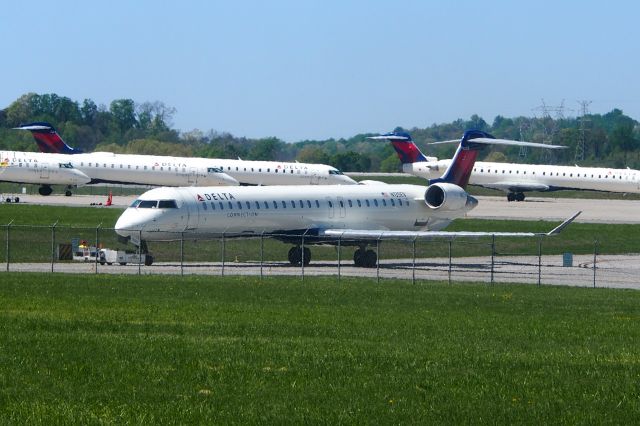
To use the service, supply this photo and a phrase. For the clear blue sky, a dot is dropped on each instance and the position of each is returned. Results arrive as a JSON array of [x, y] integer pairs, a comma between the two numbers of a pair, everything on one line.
[[318, 69]]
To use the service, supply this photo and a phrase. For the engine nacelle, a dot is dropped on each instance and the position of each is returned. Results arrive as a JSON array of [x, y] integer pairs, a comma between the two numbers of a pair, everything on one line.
[[446, 196]]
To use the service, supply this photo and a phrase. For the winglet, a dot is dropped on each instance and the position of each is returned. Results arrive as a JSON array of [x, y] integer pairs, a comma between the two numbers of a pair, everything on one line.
[[407, 150], [559, 228], [47, 138]]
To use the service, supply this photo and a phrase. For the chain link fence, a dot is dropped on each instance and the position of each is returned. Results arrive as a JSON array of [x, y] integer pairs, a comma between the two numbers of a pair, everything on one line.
[[97, 250]]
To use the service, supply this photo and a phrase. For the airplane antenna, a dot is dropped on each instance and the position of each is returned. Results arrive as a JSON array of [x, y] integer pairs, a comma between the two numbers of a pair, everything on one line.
[[583, 123]]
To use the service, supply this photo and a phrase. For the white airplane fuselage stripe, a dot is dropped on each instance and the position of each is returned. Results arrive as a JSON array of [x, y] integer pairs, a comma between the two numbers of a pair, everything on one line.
[[554, 177], [253, 210]]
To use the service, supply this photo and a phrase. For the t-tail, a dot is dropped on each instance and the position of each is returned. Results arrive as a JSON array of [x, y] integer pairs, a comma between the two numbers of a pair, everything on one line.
[[407, 150], [472, 141], [48, 139]]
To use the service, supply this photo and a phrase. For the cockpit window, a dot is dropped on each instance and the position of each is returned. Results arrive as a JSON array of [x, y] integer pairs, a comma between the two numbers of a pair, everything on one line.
[[335, 172], [167, 204], [65, 165], [148, 204], [214, 170], [135, 204]]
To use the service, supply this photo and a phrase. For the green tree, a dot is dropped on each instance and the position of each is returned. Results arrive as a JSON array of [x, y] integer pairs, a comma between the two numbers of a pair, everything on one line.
[[123, 114]]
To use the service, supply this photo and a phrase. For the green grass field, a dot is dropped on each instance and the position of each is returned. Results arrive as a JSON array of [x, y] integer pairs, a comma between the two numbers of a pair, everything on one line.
[[203, 350]]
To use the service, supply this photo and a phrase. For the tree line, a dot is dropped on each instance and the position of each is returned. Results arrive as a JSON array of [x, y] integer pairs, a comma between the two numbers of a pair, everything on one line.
[[125, 126]]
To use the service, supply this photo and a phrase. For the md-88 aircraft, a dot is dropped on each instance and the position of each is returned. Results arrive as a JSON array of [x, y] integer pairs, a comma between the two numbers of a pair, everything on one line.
[[353, 215], [516, 179], [169, 171]]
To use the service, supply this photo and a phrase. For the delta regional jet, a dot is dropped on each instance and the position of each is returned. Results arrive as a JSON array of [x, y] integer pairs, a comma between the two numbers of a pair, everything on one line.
[[349, 215], [516, 179], [45, 170], [107, 167]]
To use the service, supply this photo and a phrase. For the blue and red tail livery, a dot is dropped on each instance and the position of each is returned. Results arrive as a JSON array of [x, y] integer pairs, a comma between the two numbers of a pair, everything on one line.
[[407, 151], [48, 139], [464, 159]]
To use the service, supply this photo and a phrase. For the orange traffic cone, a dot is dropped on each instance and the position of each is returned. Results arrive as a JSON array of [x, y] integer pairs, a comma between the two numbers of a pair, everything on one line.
[[109, 199]]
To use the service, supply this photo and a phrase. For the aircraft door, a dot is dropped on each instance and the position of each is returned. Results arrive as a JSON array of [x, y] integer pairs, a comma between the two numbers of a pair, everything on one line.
[[331, 205], [44, 171], [192, 214], [315, 178], [192, 178]]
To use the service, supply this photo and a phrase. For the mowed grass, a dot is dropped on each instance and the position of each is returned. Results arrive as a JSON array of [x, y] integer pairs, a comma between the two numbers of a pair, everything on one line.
[[164, 350]]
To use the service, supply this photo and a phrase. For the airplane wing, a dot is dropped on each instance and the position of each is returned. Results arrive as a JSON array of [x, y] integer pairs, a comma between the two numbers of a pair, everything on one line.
[[357, 234], [515, 186]]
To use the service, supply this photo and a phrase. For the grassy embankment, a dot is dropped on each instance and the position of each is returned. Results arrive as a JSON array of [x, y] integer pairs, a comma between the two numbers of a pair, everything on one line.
[[112, 349]]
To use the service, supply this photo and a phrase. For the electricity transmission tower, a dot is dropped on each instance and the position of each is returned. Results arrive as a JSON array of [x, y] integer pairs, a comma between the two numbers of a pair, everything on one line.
[[583, 123]]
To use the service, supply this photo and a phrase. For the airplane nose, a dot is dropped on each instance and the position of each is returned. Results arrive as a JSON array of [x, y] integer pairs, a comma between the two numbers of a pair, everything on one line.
[[81, 177]]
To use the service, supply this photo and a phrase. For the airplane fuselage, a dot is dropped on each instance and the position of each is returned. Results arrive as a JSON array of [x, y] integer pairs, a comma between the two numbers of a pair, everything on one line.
[[33, 168], [535, 177], [169, 213]]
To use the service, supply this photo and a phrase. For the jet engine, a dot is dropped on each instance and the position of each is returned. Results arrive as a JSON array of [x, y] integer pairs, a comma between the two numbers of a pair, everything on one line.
[[446, 196]]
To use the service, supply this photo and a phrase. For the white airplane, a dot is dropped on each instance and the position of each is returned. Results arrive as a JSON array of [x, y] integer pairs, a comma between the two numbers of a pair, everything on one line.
[[516, 179], [182, 171], [355, 215], [45, 170]]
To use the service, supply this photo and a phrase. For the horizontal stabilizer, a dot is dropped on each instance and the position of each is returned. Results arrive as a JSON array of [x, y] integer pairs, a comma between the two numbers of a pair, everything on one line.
[[490, 141]]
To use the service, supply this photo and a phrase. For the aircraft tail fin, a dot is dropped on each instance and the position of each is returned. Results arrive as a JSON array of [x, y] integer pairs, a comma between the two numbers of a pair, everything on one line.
[[48, 139], [464, 159], [407, 150]]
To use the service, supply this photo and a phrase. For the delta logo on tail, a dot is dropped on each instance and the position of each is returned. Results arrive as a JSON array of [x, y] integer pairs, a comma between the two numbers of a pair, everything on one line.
[[48, 139]]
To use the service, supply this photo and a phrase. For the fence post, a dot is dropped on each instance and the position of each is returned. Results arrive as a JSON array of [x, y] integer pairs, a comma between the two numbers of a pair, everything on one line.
[[8, 245], [493, 253], [140, 252], [595, 259], [53, 244], [182, 254], [540, 260], [302, 259], [97, 244], [339, 255], [223, 248], [261, 253], [378, 259], [413, 266], [449, 272]]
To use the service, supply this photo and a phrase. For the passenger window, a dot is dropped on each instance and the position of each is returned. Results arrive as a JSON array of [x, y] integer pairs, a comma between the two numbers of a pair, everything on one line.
[[221, 205], [317, 204], [257, 205], [275, 205], [393, 203], [284, 205], [375, 202], [239, 205], [341, 204], [330, 203], [249, 204], [301, 204], [400, 202], [293, 204], [266, 205], [367, 203], [308, 203], [359, 203], [350, 203], [230, 206]]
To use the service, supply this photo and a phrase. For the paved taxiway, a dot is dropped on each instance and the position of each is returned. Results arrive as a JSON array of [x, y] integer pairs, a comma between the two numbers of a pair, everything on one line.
[[534, 208]]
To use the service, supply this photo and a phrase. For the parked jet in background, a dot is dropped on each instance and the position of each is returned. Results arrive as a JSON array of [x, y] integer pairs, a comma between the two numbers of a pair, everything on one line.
[[40, 169], [240, 171], [354, 215], [516, 179]]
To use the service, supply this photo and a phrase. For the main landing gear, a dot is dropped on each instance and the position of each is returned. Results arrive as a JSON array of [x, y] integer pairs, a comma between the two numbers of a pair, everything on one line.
[[515, 196], [297, 254], [361, 257], [365, 258], [45, 190]]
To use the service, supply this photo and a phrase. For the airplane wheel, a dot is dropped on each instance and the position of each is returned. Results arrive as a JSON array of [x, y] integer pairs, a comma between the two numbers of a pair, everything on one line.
[[295, 256], [148, 260], [370, 259], [358, 257], [67, 193], [307, 256], [511, 196], [45, 190], [519, 196]]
